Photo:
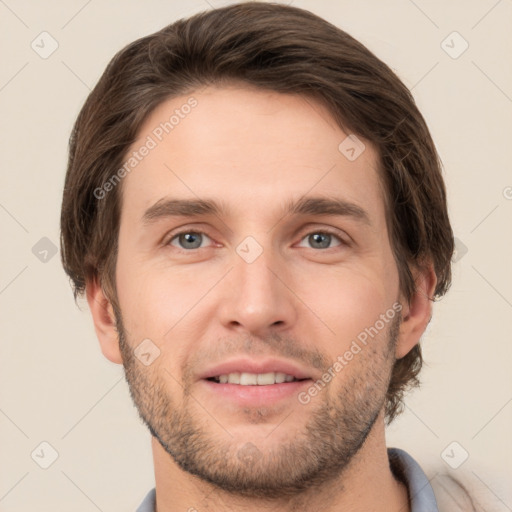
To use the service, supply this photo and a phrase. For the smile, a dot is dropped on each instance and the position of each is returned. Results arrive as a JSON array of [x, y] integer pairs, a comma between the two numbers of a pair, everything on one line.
[[253, 379]]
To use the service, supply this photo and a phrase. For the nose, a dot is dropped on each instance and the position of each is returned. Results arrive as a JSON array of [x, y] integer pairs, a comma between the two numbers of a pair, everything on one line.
[[258, 296]]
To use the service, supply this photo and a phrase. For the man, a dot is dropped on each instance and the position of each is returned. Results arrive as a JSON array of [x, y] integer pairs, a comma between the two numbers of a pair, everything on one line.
[[266, 357]]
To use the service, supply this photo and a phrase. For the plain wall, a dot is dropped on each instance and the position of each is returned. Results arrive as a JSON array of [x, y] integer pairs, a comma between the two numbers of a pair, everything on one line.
[[55, 384]]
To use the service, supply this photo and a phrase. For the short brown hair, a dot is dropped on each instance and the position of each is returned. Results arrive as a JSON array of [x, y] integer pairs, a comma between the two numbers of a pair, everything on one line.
[[278, 48]]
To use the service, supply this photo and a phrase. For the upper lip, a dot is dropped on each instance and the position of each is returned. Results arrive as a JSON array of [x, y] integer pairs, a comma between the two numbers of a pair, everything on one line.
[[248, 365]]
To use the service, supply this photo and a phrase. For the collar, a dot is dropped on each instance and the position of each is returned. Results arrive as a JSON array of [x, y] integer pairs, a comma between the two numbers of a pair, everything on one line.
[[403, 466]]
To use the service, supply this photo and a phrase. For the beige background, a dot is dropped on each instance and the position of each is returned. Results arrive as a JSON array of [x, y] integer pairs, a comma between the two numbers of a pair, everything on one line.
[[56, 386]]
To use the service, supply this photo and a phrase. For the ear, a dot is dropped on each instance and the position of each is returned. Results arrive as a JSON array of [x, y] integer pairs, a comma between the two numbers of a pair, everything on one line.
[[104, 321], [416, 313]]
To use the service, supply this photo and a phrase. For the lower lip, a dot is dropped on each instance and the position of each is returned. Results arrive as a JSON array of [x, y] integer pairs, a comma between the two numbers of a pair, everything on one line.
[[256, 395]]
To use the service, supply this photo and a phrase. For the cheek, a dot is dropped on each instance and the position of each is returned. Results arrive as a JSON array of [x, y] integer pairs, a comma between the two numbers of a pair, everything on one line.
[[153, 310], [160, 302], [149, 304], [348, 301]]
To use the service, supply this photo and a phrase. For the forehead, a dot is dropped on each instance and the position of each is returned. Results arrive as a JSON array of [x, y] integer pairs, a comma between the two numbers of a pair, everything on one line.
[[250, 149]]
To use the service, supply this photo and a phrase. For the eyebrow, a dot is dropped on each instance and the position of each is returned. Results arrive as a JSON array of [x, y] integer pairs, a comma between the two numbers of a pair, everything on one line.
[[317, 206]]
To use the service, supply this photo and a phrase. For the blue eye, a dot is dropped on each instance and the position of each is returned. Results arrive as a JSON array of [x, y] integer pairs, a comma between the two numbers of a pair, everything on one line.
[[191, 240], [322, 239], [188, 239]]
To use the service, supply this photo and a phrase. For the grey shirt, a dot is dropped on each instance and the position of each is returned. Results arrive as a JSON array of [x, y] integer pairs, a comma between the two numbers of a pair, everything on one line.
[[405, 468]]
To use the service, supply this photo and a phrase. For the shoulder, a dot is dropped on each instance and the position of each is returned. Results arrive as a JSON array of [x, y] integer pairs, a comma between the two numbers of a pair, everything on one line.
[[465, 492], [435, 487], [149, 502]]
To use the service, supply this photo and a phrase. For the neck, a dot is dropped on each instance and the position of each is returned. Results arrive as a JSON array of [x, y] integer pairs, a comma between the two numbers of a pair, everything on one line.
[[366, 484]]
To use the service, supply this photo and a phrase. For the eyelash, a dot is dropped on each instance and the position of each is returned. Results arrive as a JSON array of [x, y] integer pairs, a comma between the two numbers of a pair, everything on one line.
[[318, 231]]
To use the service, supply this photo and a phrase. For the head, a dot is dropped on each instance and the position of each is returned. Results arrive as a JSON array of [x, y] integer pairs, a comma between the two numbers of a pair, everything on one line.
[[319, 228]]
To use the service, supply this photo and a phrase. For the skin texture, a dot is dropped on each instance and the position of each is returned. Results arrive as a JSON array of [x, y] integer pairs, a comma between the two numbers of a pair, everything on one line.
[[254, 151]]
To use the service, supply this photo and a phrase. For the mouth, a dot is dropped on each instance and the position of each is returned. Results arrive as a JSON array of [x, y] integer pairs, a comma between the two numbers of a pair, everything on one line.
[[254, 379], [250, 383], [247, 392]]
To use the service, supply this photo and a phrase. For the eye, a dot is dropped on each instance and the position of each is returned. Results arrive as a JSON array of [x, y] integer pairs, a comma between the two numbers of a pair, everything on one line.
[[188, 240], [191, 240], [322, 239]]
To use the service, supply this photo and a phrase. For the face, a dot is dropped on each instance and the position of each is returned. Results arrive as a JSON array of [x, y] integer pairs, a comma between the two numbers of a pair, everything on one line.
[[254, 261]]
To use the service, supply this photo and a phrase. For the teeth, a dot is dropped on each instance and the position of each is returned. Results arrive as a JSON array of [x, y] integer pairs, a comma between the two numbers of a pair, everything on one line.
[[263, 379], [254, 379], [281, 377], [233, 378], [248, 379]]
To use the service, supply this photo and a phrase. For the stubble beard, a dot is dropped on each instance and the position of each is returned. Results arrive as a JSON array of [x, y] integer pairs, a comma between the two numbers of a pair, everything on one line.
[[318, 453]]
